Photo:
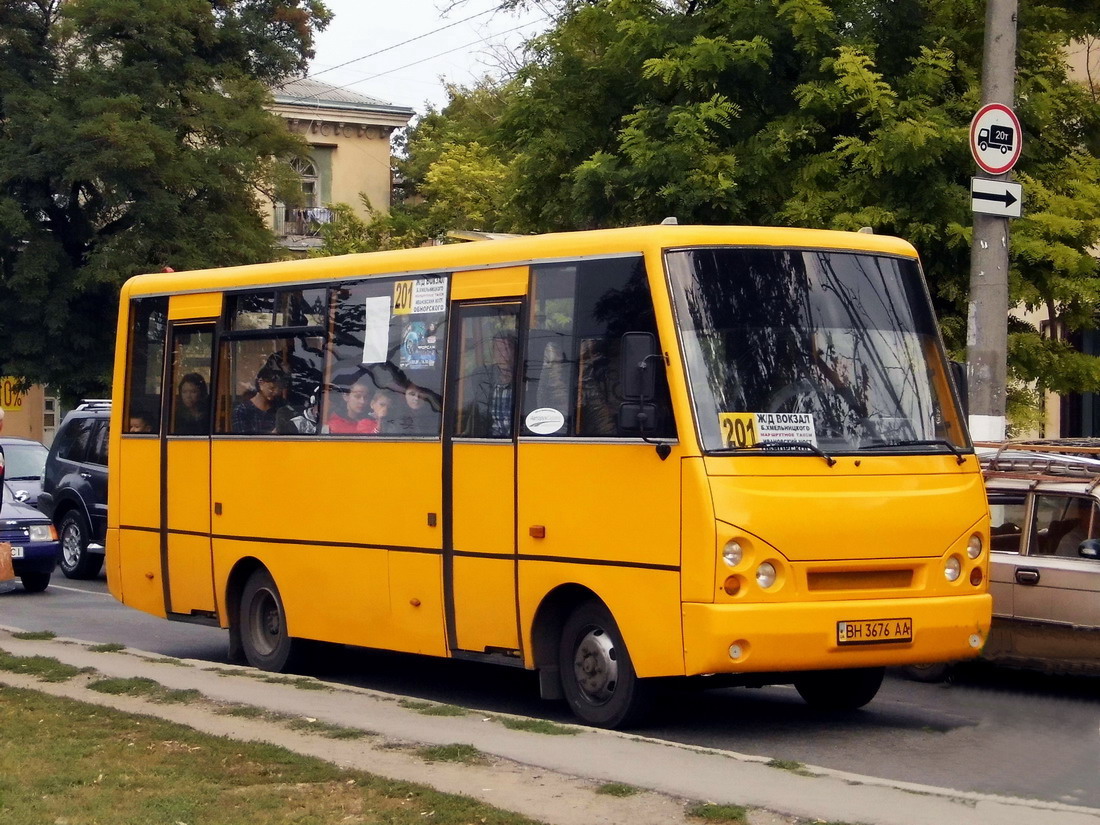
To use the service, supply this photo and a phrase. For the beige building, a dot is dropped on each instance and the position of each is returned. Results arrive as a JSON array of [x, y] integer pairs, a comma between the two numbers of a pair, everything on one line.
[[30, 414], [349, 137]]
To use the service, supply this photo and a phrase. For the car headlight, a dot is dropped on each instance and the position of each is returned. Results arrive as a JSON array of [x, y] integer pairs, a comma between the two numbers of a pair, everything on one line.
[[952, 569], [42, 532]]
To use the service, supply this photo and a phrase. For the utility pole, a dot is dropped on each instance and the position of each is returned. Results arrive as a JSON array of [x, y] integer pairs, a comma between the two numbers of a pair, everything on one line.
[[987, 316]]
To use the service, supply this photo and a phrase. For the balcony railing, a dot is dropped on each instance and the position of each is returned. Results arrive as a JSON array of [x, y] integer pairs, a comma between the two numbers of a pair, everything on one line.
[[301, 221]]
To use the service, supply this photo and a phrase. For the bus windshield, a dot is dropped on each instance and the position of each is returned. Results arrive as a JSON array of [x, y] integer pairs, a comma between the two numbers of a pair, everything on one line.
[[812, 349]]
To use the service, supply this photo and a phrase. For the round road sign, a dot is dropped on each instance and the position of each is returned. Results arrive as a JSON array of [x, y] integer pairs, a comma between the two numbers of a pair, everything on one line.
[[996, 138]]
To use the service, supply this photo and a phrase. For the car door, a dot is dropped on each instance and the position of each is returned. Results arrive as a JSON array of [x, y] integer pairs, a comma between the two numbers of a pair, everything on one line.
[[94, 473], [1058, 582], [1008, 517]]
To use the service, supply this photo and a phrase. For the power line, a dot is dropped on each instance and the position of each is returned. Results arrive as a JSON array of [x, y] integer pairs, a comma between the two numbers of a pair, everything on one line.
[[402, 43], [407, 65]]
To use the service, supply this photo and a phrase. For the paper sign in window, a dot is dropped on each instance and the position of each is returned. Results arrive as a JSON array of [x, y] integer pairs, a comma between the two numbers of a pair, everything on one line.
[[376, 329]]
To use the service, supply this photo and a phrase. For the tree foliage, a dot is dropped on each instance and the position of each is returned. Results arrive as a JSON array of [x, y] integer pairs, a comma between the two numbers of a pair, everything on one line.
[[822, 113], [133, 136]]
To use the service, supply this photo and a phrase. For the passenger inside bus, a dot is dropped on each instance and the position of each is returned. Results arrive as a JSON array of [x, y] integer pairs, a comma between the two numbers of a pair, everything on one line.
[[192, 406], [489, 414], [421, 412], [256, 415], [141, 422], [357, 405]]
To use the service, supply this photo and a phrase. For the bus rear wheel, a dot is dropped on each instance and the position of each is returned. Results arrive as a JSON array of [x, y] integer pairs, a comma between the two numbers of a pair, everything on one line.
[[264, 637], [597, 676], [840, 689]]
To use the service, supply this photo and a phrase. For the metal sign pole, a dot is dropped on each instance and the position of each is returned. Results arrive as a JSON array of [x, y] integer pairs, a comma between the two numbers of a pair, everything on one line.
[[987, 317]]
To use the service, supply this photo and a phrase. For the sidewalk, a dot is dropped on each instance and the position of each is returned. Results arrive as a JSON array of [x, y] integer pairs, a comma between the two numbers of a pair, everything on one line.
[[547, 777]]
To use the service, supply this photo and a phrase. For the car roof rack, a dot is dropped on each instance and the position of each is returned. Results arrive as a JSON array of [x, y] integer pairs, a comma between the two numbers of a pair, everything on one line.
[[1050, 459], [94, 404]]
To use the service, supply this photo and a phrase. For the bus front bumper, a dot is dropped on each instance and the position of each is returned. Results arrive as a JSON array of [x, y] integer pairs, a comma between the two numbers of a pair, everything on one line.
[[762, 638]]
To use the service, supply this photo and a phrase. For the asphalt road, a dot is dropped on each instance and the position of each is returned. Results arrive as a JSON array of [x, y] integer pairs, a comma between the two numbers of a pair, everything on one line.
[[989, 730]]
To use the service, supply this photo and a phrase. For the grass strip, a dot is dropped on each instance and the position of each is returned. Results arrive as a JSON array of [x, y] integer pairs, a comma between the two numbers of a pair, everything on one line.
[[432, 708], [145, 688], [465, 754], [617, 789], [45, 668], [537, 726], [723, 814], [123, 768]]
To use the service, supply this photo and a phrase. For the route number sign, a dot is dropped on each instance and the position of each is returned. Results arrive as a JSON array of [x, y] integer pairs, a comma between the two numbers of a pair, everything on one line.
[[996, 138]]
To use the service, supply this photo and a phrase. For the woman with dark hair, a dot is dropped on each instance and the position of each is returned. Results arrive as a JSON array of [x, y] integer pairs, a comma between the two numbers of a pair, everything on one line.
[[192, 406]]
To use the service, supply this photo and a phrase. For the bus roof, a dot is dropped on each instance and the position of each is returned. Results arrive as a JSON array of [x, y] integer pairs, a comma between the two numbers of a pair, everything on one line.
[[515, 251]]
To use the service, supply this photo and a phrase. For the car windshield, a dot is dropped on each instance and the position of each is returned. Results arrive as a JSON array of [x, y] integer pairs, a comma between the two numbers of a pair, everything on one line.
[[812, 349], [24, 461]]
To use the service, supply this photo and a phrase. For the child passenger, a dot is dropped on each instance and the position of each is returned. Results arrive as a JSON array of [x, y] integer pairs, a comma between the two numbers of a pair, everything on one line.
[[357, 404]]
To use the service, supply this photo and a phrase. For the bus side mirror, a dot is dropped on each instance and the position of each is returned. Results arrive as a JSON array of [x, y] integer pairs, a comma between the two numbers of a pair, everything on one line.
[[958, 375], [638, 367]]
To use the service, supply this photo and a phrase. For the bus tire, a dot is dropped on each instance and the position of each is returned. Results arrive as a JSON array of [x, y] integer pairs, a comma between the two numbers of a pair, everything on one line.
[[840, 689], [597, 675], [264, 637], [76, 561]]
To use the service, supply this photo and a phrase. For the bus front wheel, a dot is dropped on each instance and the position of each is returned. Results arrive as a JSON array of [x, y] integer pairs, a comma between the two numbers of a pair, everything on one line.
[[840, 689], [264, 637], [597, 676]]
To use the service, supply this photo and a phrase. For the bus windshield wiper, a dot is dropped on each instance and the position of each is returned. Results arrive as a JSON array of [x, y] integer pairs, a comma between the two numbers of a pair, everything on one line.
[[920, 442], [784, 445]]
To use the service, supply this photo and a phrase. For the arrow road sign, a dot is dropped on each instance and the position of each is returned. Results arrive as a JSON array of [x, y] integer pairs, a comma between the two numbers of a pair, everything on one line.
[[996, 197]]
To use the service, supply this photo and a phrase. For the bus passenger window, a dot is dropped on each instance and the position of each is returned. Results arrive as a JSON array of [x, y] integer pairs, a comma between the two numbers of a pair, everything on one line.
[[485, 389], [385, 369], [579, 313], [149, 321]]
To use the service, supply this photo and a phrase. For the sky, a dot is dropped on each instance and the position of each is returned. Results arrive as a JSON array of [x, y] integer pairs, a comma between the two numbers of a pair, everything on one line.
[[405, 50]]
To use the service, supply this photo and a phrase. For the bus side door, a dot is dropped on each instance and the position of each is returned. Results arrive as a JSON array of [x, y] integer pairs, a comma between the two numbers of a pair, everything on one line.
[[479, 556], [185, 489]]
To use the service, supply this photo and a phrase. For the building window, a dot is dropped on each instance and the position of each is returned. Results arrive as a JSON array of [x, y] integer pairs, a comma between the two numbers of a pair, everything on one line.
[[307, 218]]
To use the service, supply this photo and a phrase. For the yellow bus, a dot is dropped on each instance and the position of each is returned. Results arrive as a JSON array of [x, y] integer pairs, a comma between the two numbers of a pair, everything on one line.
[[612, 456]]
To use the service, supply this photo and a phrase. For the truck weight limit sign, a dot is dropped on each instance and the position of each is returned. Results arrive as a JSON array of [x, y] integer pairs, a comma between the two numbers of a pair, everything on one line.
[[996, 138]]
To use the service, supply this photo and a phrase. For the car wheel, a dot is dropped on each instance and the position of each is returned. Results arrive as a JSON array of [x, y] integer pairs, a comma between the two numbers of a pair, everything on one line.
[[597, 676], [929, 673], [264, 637], [840, 689], [76, 561], [35, 582]]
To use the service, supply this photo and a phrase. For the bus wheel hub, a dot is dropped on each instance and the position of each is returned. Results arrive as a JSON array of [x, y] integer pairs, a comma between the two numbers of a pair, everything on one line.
[[594, 666]]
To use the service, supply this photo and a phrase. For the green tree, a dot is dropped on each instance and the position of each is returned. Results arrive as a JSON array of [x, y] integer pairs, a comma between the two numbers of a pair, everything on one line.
[[133, 136], [452, 174], [823, 113]]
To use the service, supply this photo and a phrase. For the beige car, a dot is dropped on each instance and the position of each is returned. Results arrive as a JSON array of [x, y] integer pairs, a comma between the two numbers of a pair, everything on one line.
[[1044, 503]]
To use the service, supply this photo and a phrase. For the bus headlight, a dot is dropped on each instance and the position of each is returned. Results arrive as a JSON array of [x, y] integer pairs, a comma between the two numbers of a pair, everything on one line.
[[952, 569], [732, 553], [974, 546], [765, 575]]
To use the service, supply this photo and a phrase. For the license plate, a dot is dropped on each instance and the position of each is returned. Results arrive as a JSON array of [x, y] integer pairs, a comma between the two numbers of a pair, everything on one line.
[[874, 631], [16, 552]]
